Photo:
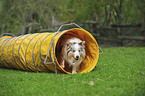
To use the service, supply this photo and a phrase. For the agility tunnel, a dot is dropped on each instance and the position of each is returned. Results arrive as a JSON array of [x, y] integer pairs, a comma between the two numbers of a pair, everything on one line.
[[41, 51]]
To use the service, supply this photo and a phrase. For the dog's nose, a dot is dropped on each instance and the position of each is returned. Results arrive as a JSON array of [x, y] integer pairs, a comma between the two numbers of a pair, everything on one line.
[[77, 57]]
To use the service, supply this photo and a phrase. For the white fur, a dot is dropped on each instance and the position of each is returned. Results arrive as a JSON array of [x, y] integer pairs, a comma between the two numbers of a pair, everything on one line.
[[73, 53]]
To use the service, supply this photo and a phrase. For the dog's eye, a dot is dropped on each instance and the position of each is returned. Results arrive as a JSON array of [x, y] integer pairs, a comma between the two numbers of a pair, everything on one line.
[[73, 50]]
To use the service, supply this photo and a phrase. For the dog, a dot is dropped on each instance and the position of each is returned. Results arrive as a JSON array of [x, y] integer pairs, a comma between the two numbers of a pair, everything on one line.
[[73, 53]]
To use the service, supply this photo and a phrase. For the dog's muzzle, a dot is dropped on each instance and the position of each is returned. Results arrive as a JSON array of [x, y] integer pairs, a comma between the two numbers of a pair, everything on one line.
[[77, 58]]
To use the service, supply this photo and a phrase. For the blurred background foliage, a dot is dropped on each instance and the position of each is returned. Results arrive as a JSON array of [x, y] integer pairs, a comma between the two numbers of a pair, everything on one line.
[[29, 16]]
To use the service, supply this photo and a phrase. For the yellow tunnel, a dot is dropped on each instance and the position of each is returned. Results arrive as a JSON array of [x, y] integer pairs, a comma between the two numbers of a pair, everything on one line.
[[40, 51]]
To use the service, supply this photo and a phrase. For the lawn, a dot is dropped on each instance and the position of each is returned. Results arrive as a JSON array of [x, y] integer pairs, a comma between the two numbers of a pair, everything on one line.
[[120, 72]]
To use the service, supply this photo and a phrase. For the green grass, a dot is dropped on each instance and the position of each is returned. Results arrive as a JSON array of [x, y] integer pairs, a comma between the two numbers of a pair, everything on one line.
[[120, 72]]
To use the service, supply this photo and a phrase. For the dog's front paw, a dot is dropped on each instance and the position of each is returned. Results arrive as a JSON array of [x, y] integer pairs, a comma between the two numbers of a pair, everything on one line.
[[74, 72]]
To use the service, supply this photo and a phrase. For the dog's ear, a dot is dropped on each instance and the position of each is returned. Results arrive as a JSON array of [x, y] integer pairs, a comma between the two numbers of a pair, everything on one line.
[[82, 43], [68, 45]]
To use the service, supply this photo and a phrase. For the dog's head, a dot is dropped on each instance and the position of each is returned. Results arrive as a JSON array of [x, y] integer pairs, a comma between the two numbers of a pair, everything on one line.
[[76, 49]]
